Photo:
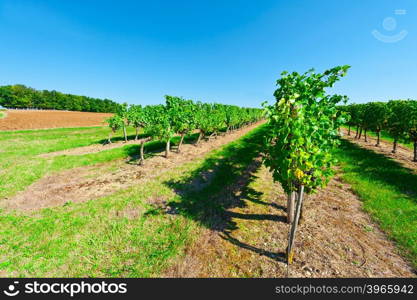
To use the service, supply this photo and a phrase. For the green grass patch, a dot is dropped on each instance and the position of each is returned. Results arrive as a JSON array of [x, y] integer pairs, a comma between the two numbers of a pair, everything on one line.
[[2, 114], [388, 191]]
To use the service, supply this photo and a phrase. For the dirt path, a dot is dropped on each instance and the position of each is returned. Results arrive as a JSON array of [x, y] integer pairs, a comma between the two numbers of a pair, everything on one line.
[[95, 148], [85, 183], [337, 239], [90, 149], [403, 156]]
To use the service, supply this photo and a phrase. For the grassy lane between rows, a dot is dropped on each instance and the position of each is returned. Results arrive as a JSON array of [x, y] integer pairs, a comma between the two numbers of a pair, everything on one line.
[[388, 191], [135, 232], [384, 136], [20, 164]]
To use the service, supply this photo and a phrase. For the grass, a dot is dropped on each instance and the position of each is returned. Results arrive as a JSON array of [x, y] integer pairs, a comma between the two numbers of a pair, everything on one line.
[[122, 235], [2, 114], [20, 164], [388, 191]]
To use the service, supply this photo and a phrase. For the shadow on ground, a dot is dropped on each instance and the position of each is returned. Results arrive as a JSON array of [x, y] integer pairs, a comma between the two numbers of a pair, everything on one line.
[[221, 184], [116, 139], [379, 167], [281, 256]]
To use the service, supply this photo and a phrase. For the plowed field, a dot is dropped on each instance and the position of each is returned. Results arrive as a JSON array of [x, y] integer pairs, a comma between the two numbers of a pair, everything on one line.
[[42, 119]]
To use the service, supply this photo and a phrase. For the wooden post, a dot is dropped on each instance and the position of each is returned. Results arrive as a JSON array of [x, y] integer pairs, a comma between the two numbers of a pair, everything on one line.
[[290, 207], [142, 147], [294, 224], [200, 135], [142, 158], [179, 145], [394, 147], [124, 133], [301, 220], [167, 148]]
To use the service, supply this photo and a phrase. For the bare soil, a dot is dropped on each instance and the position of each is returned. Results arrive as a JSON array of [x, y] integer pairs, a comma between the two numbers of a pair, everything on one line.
[[404, 155], [90, 149], [336, 239], [86, 183], [43, 119]]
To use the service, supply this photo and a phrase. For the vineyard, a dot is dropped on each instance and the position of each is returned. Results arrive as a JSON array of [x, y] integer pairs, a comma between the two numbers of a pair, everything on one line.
[[194, 189], [398, 118], [180, 117]]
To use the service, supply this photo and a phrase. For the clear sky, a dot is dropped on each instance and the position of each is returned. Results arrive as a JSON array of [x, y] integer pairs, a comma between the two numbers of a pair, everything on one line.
[[224, 51]]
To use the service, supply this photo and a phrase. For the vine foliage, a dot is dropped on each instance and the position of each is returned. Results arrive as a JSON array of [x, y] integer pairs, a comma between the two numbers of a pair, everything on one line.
[[303, 129], [303, 132]]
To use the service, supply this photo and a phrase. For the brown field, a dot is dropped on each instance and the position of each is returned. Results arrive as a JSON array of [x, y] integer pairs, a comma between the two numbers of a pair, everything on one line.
[[42, 119]]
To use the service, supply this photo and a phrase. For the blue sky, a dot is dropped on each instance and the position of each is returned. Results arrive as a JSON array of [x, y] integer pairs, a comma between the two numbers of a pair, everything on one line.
[[225, 51]]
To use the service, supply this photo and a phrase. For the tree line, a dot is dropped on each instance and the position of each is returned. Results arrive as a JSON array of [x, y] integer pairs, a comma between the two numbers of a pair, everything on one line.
[[397, 117], [21, 96], [180, 117]]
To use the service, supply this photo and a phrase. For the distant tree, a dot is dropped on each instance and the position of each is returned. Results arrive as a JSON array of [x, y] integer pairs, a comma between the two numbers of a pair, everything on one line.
[[182, 116], [376, 115], [396, 126], [349, 109], [160, 126], [210, 118], [231, 117], [358, 115], [123, 113], [136, 118], [410, 120], [115, 123]]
